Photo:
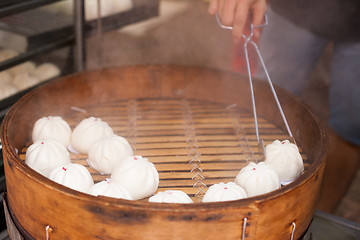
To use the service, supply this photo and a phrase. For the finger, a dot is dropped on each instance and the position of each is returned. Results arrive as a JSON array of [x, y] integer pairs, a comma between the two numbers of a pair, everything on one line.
[[227, 12], [258, 12], [241, 15], [221, 4], [213, 7]]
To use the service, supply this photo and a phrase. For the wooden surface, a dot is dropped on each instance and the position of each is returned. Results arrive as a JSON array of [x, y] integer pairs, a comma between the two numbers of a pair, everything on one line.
[[170, 114]]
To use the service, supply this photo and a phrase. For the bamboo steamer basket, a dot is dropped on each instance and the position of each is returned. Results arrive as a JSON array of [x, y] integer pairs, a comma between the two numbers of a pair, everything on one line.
[[180, 96]]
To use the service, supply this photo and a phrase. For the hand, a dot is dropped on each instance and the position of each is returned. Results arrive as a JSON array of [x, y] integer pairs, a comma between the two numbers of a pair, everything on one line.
[[235, 13]]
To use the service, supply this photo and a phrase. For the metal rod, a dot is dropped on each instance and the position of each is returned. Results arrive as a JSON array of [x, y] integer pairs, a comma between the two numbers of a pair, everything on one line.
[[119, 20], [244, 228], [293, 231], [252, 91], [272, 89], [48, 229], [99, 35], [222, 25], [32, 53], [79, 20], [21, 6]]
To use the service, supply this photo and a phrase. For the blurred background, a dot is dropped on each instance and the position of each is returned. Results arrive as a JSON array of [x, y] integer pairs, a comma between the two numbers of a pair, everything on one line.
[[37, 42]]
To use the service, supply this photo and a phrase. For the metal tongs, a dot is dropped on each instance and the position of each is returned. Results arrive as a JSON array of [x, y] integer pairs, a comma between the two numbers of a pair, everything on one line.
[[248, 39]]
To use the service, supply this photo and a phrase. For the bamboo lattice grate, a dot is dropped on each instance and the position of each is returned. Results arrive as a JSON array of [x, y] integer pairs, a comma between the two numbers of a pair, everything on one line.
[[193, 144]]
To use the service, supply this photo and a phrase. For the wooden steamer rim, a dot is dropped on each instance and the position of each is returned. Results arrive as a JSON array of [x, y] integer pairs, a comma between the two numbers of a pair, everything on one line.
[[114, 218]]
